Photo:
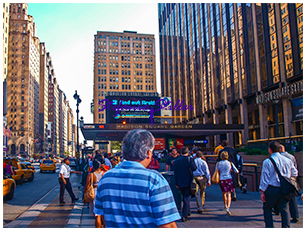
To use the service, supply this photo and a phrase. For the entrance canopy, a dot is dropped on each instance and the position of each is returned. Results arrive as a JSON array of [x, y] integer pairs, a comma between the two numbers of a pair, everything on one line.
[[116, 132]]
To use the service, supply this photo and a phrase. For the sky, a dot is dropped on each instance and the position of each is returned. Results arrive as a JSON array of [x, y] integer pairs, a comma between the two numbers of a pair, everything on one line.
[[68, 32]]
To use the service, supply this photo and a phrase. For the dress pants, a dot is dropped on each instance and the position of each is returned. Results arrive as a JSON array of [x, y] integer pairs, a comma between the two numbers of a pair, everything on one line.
[[66, 186], [294, 213], [275, 199], [186, 201], [200, 195]]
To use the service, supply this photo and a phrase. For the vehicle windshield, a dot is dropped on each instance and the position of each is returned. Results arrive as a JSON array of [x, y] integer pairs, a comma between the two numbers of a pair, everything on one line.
[[48, 162]]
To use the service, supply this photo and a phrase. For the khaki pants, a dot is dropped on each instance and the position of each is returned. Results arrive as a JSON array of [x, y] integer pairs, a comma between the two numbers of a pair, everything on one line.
[[200, 195]]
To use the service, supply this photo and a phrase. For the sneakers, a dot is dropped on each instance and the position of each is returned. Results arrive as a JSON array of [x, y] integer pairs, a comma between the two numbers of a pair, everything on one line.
[[228, 212], [74, 200], [225, 208]]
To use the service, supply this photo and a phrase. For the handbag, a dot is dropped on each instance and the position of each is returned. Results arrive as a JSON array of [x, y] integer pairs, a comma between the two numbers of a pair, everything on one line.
[[193, 185], [288, 186], [215, 179], [89, 195], [236, 178]]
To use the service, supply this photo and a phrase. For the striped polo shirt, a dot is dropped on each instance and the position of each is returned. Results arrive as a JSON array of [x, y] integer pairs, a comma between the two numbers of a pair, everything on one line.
[[131, 196]]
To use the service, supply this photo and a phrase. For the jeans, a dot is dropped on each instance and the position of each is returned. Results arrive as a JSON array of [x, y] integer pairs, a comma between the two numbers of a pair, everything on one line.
[[186, 201], [275, 199]]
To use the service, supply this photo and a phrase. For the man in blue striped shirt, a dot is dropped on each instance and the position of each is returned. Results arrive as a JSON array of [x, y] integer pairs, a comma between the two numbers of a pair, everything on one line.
[[131, 196]]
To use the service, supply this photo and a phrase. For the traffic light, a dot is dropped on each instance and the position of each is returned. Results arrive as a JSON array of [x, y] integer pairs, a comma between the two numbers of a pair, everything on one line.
[[123, 122]]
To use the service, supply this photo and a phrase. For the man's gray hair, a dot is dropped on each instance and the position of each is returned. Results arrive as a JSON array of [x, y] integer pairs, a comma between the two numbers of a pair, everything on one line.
[[136, 144]]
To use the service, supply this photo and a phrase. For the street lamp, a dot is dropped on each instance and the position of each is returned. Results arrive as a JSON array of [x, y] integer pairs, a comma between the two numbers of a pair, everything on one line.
[[77, 98], [82, 125]]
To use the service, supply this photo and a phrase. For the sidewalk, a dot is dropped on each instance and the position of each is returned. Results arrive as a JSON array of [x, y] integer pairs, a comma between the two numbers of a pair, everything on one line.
[[246, 213]]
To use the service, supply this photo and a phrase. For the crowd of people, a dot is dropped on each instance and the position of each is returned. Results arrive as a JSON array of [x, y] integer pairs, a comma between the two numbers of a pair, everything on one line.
[[127, 193]]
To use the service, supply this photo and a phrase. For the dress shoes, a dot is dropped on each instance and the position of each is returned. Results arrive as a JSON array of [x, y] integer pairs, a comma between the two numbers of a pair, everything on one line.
[[184, 219]]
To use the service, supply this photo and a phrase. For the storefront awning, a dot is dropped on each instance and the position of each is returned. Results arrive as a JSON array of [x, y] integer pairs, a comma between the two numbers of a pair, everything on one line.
[[116, 132]]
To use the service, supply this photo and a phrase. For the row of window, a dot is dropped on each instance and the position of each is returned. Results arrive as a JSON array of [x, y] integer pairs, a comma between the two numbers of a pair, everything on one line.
[[122, 37], [123, 87]]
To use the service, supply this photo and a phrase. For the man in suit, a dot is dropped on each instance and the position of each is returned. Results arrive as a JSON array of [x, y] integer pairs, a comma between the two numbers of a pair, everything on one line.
[[183, 173]]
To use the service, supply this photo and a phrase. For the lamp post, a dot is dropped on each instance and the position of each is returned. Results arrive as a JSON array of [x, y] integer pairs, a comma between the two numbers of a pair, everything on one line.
[[276, 115], [82, 125], [77, 98]]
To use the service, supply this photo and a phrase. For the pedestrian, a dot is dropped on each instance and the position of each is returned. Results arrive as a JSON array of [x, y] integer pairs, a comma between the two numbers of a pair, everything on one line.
[[202, 175], [194, 153], [64, 181], [115, 160], [270, 185], [170, 160], [107, 161], [232, 157], [293, 208], [218, 148], [131, 196], [9, 169], [243, 180], [154, 163], [226, 182], [183, 174], [94, 178]]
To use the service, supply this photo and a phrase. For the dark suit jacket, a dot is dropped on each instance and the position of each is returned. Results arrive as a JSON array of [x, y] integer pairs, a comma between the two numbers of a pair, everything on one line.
[[232, 155], [182, 174]]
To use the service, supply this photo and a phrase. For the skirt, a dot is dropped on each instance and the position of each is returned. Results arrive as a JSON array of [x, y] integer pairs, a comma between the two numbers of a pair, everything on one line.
[[92, 204], [227, 185]]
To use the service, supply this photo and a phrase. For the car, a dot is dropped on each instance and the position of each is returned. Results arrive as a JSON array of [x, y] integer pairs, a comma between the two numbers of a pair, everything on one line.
[[29, 166], [21, 171], [72, 162], [47, 165], [9, 186]]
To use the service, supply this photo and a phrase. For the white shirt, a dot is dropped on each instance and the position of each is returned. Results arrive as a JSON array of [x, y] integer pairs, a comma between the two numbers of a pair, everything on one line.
[[65, 170], [225, 167], [269, 175]]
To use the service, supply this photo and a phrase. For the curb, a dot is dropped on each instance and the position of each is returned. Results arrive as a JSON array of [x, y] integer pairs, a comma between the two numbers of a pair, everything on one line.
[[75, 217]]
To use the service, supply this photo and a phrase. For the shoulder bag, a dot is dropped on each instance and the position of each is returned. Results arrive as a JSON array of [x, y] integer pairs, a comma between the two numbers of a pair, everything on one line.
[[89, 195], [215, 179], [193, 185], [288, 186]]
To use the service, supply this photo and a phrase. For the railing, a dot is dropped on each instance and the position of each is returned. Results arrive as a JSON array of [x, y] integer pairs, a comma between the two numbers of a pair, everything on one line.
[[256, 172]]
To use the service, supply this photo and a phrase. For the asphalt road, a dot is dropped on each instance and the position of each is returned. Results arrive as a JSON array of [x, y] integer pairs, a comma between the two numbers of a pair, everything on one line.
[[29, 193]]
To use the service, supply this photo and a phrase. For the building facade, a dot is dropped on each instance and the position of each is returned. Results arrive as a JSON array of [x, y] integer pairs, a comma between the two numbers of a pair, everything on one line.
[[122, 62], [22, 80], [236, 64]]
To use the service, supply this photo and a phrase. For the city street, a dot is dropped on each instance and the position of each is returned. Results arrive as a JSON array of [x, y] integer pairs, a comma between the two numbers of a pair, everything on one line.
[[30, 193]]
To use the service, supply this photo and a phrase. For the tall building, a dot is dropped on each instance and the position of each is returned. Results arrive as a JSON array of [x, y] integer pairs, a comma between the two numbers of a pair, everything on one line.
[[123, 62], [43, 97], [22, 80], [6, 24], [63, 122], [236, 64], [53, 111], [6, 29], [69, 130]]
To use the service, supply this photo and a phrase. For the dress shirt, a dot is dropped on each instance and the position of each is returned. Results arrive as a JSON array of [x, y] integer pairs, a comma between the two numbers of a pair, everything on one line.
[[291, 157], [65, 170], [269, 175], [202, 169]]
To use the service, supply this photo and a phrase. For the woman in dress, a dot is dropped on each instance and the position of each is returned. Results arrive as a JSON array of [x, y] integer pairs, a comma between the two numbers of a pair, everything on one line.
[[93, 178], [226, 181]]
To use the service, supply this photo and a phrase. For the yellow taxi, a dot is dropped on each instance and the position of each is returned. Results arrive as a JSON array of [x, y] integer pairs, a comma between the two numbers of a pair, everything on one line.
[[47, 165], [22, 172], [9, 187]]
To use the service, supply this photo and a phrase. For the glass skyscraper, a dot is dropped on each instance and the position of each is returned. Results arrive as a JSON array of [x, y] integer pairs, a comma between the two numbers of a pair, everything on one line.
[[235, 63]]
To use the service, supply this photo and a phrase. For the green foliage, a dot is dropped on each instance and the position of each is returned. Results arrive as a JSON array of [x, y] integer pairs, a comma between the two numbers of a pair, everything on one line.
[[291, 152], [116, 145], [245, 149], [257, 151], [162, 161]]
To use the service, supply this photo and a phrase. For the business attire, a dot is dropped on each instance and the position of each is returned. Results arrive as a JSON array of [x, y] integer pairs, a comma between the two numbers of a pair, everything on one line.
[[183, 169], [202, 174], [65, 170], [293, 208], [131, 196], [270, 185]]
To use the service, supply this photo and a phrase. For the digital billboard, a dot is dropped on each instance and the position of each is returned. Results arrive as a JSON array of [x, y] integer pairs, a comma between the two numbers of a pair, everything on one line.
[[132, 109]]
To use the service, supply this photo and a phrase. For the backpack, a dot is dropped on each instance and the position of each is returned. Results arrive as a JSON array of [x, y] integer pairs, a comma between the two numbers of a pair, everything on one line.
[[239, 163]]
